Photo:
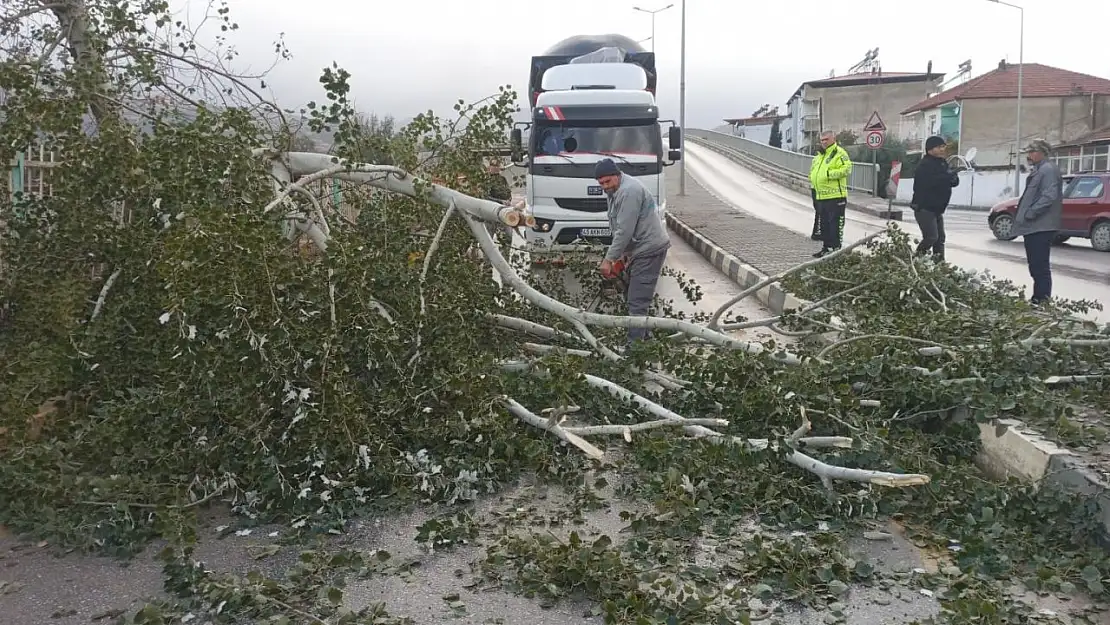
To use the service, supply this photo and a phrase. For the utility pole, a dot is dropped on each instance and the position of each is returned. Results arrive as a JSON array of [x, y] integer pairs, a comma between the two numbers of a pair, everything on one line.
[[1021, 75], [682, 106], [652, 14]]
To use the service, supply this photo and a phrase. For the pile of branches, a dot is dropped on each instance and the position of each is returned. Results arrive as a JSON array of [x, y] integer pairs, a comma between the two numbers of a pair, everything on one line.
[[186, 324]]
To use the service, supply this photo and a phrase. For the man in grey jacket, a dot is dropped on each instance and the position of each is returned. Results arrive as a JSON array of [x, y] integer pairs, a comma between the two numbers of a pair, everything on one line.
[[640, 241], [1039, 215]]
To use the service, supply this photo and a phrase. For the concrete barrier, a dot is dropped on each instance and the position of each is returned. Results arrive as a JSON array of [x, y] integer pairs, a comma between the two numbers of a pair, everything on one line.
[[789, 178], [1009, 448]]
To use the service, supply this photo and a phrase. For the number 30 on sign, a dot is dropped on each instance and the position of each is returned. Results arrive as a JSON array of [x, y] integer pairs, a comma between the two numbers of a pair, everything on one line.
[[874, 139]]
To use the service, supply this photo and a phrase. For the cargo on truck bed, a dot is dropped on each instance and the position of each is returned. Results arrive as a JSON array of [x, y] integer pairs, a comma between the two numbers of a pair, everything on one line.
[[573, 48]]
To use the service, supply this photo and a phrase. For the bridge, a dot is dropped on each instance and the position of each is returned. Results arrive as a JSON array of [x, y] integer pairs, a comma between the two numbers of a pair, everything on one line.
[[864, 179]]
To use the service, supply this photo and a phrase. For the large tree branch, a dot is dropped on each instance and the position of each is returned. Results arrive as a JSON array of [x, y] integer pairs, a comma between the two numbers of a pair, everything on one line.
[[826, 472], [715, 320], [318, 166], [315, 166]]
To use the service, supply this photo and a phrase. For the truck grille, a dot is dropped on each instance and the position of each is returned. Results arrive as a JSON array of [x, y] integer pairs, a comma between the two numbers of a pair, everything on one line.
[[585, 205]]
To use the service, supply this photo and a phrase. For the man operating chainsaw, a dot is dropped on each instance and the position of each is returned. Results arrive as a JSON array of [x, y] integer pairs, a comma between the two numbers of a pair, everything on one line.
[[640, 241]]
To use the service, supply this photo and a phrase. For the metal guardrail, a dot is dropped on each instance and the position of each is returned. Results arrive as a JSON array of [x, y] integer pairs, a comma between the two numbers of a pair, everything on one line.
[[864, 178]]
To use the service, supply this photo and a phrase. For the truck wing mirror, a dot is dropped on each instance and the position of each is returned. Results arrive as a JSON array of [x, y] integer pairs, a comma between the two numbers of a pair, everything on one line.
[[674, 138], [674, 155], [516, 146]]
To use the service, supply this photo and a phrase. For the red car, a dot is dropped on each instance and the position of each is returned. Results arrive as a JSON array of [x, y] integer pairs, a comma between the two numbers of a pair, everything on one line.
[[1086, 211]]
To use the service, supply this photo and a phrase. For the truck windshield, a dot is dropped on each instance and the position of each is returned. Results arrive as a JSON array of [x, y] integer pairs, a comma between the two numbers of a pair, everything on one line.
[[578, 137]]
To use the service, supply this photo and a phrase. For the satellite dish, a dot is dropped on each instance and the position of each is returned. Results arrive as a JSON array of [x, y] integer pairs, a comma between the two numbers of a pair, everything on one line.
[[971, 154]]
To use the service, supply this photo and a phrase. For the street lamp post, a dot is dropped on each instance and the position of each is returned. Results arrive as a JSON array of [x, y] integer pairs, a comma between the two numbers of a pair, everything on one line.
[[652, 14], [1021, 72], [682, 106]]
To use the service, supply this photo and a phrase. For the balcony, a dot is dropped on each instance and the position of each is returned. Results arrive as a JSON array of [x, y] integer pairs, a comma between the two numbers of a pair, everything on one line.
[[811, 124]]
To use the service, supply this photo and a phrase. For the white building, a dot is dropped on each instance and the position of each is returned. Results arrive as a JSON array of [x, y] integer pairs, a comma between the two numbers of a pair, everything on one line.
[[757, 129]]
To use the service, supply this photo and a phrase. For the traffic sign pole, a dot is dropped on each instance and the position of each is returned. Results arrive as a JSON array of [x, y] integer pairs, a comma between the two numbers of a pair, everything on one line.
[[874, 132], [892, 188]]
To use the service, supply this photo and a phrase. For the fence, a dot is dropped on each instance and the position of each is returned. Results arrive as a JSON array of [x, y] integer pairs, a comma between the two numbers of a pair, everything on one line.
[[864, 178], [29, 175], [29, 172]]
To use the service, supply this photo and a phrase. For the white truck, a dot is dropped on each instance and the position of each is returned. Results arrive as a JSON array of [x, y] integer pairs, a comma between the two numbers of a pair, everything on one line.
[[592, 97]]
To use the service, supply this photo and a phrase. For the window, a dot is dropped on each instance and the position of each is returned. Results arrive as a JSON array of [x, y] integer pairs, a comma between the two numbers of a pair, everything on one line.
[[932, 125], [1067, 164], [1084, 188], [586, 138], [1088, 158], [1100, 157]]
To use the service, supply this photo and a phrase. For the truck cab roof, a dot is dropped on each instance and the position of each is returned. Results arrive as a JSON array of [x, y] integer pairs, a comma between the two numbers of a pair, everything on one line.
[[579, 76]]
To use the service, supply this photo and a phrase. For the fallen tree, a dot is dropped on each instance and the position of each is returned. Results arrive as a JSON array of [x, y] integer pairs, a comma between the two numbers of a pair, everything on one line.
[[164, 349]]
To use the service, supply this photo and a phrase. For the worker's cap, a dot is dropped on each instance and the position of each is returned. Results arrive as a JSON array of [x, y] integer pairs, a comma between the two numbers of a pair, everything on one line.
[[605, 167], [1039, 145]]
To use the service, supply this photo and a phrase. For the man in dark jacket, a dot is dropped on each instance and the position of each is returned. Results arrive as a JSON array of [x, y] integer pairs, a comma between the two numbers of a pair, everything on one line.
[[1039, 214], [932, 190]]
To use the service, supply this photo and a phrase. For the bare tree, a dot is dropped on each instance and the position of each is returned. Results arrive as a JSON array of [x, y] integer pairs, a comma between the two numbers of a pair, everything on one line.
[[142, 61]]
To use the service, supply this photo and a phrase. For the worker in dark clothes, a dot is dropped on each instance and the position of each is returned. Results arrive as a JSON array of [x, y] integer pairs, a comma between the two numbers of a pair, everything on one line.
[[932, 190]]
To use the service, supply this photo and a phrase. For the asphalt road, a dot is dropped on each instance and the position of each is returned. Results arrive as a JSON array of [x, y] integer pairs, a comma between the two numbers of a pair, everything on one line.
[[1078, 271]]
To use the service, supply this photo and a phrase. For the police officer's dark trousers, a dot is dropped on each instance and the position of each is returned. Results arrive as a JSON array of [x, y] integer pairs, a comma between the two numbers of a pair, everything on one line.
[[816, 234], [832, 222]]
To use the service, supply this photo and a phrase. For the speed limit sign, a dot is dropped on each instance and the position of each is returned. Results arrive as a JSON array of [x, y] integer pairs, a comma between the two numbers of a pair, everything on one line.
[[874, 139]]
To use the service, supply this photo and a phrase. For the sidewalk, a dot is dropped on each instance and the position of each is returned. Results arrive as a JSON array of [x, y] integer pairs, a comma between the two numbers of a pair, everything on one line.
[[769, 248]]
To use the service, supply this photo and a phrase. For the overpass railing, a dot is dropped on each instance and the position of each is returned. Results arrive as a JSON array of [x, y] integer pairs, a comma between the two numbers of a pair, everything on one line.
[[864, 178]]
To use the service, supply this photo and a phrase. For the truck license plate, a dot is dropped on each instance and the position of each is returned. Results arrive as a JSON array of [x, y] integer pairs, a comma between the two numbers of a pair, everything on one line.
[[596, 232]]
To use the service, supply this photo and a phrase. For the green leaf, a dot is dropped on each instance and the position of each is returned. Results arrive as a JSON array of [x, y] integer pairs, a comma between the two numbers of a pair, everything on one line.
[[335, 595], [864, 569], [986, 514], [1090, 573]]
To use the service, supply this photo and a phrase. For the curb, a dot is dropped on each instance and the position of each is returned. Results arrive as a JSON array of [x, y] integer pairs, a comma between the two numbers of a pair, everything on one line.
[[772, 296], [953, 207], [1009, 447], [789, 179]]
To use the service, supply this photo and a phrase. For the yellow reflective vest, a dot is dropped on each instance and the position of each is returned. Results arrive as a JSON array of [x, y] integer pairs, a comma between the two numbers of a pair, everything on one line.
[[829, 173]]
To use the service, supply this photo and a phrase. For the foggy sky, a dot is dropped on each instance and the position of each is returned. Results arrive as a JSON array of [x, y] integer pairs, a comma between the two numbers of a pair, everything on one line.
[[411, 55]]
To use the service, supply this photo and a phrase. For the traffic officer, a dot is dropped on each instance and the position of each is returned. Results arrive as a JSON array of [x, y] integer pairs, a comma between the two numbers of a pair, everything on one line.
[[828, 175]]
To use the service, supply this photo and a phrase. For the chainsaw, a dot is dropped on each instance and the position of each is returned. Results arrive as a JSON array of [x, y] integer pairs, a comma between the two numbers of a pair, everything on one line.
[[614, 283]]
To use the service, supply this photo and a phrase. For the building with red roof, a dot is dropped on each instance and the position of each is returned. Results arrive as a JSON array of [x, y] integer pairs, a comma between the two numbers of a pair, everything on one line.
[[1058, 105]]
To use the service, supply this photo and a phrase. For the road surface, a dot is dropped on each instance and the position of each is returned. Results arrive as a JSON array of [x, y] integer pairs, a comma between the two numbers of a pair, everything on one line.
[[1078, 272]]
